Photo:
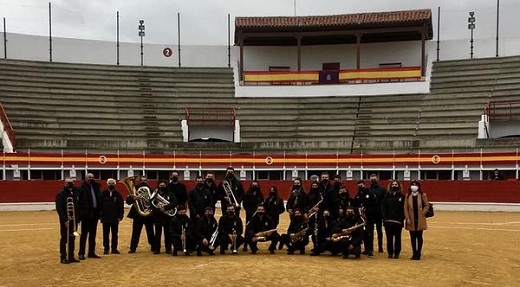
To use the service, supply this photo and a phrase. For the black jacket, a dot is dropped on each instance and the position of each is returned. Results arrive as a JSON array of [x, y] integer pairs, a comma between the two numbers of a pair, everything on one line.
[[61, 203], [199, 199], [179, 191], [392, 208], [260, 223], [205, 228], [133, 214], [159, 217], [86, 209], [236, 188], [177, 223], [251, 201], [297, 200], [368, 200], [228, 225], [346, 222], [274, 207], [112, 209]]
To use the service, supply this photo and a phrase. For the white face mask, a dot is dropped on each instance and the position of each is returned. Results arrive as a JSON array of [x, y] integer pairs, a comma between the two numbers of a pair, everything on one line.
[[414, 188]]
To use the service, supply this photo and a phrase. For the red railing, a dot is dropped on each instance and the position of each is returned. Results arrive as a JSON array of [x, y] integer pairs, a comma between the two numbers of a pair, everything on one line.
[[210, 116], [503, 110], [8, 128]]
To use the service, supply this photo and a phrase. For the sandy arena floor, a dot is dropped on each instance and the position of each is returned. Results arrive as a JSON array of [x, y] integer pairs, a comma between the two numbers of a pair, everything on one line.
[[460, 249]]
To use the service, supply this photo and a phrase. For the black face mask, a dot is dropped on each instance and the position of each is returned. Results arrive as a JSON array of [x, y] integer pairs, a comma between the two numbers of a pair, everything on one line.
[[254, 188], [209, 181], [210, 215], [296, 186], [111, 187], [337, 183], [260, 214], [298, 217], [272, 193], [200, 185], [343, 195], [350, 215], [174, 178], [325, 182], [326, 216], [162, 188], [231, 213], [230, 175], [395, 188], [373, 182], [70, 185]]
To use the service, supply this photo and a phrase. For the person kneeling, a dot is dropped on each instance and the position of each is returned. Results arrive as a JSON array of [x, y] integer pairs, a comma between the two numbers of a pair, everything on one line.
[[297, 236], [348, 233]]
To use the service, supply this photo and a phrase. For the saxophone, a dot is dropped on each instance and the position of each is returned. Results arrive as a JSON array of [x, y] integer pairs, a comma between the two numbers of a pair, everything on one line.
[[295, 237], [346, 233], [262, 235]]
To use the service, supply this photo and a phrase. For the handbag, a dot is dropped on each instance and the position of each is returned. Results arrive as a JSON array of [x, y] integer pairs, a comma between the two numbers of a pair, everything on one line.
[[430, 212]]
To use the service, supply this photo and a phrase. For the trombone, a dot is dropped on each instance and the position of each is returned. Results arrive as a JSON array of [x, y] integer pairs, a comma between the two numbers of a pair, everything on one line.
[[71, 217], [229, 191]]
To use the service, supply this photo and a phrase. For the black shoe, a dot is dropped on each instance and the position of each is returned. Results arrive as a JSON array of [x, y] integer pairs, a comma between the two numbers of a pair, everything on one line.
[[131, 251], [168, 251], [365, 252], [116, 252], [380, 250], [254, 250], [73, 260], [222, 251], [105, 252], [244, 249], [315, 254], [199, 252], [211, 252], [370, 254], [186, 253], [290, 252], [81, 257], [64, 261], [358, 256], [390, 257], [94, 255], [396, 256], [174, 253], [345, 256], [271, 251], [302, 251]]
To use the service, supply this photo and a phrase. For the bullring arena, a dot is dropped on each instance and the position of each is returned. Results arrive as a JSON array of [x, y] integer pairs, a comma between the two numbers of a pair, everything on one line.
[[461, 249], [379, 89]]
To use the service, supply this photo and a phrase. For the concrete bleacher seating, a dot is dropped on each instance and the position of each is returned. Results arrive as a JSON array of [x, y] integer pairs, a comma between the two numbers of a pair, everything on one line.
[[73, 107]]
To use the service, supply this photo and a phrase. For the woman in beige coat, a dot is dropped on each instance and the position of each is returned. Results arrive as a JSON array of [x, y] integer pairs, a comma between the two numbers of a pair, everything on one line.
[[415, 207]]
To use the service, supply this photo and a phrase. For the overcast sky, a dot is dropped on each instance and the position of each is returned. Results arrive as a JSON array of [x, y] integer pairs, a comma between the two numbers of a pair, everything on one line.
[[204, 22]]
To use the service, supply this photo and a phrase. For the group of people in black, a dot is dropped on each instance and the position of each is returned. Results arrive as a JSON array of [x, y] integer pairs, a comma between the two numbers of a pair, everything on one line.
[[335, 221]]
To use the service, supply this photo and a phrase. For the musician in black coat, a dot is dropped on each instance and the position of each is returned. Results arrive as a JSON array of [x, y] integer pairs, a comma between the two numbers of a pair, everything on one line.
[[343, 200], [327, 191], [369, 202], [236, 194], [274, 205], [379, 192], [178, 189], [89, 214], [252, 199], [352, 243], [297, 236], [112, 212], [68, 224], [324, 243], [231, 229], [297, 198], [181, 240], [207, 232], [261, 223], [161, 218], [211, 185], [199, 198], [138, 220], [392, 210]]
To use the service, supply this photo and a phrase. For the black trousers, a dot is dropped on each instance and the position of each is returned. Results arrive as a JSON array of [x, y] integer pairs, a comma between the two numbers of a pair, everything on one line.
[[159, 228], [344, 245], [379, 229], [66, 252], [393, 239], [368, 237], [137, 226], [107, 229], [416, 238], [88, 229]]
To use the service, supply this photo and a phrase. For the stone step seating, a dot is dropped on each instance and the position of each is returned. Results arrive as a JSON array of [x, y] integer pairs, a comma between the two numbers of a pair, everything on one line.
[[75, 106]]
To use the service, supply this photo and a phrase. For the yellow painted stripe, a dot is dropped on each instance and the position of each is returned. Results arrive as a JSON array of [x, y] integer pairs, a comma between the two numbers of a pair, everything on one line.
[[267, 77]]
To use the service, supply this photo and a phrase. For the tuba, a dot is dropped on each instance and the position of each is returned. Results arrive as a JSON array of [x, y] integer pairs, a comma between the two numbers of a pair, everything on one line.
[[142, 196], [160, 203], [262, 235]]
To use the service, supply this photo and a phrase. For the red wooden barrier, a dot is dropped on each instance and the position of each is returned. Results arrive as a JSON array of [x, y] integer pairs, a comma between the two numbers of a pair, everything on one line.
[[438, 190]]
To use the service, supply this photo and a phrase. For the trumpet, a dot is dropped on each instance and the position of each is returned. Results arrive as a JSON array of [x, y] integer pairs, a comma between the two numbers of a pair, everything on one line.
[[262, 235], [72, 217], [160, 203], [295, 237], [142, 196], [229, 192]]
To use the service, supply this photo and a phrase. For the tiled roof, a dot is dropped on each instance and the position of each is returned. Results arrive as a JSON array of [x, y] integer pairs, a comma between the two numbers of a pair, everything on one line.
[[361, 20]]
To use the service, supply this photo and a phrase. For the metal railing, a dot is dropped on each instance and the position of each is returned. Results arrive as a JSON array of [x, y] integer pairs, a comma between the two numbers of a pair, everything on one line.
[[8, 128], [503, 110], [210, 116]]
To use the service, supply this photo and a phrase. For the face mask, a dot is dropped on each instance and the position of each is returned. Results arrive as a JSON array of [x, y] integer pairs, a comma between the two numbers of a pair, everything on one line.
[[200, 185], [373, 182], [326, 216], [209, 215], [360, 187], [209, 180], [296, 186], [229, 175], [343, 195], [254, 187], [111, 187], [174, 178], [298, 216], [414, 188], [395, 188], [325, 181], [70, 185], [272, 192], [260, 213], [337, 184], [230, 213], [350, 215]]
